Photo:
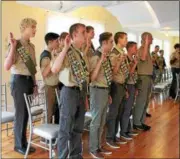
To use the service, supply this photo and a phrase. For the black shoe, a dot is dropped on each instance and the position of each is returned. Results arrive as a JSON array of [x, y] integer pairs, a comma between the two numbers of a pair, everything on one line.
[[133, 133], [97, 154], [105, 151], [120, 141], [20, 150], [146, 127], [148, 115], [138, 127], [126, 136], [31, 149], [112, 144]]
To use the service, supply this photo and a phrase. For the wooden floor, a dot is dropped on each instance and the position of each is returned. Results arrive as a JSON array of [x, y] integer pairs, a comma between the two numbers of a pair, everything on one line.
[[162, 141]]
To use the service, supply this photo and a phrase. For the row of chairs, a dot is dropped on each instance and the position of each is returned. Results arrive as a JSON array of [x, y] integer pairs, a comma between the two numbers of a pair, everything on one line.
[[37, 111], [164, 85]]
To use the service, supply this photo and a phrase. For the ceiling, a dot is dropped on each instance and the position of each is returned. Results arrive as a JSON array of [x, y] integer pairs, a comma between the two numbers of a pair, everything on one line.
[[134, 15]]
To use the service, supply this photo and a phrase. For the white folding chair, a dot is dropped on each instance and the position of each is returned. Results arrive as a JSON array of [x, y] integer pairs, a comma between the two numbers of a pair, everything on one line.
[[6, 116], [43, 130]]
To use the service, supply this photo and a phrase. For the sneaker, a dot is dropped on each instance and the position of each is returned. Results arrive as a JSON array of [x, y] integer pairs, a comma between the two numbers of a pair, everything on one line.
[[105, 151], [146, 127], [121, 142], [97, 154], [138, 127], [133, 133], [126, 136], [112, 144]]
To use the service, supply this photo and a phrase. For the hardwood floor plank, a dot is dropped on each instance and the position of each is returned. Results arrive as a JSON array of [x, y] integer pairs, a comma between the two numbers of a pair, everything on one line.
[[162, 141]]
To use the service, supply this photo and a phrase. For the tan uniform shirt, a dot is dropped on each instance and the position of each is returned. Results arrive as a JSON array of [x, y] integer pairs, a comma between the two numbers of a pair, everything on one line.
[[132, 78], [119, 77], [19, 66], [145, 67], [66, 75], [176, 64], [101, 79], [51, 79], [88, 55]]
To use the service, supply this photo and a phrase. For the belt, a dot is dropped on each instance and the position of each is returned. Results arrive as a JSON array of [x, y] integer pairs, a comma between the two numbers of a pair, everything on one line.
[[107, 88], [74, 88], [21, 76]]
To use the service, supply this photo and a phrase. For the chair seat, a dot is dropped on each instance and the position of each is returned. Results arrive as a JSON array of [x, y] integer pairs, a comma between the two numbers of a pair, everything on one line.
[[37, 110], [47, 131], [7, 117], [88, 114]]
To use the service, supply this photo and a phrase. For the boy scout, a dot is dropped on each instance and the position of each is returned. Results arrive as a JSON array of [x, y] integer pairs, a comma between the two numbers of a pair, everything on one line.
[[61, 40], [175, 67], [22, 62], [145, 70], [154, 56], [132, 88], [89, 47], [51, 80], [101, 76], [62, 37], [118, 89], [161, 64], [74, 76]]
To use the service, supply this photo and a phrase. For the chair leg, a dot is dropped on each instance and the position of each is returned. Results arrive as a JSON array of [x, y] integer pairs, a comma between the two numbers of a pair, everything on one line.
[[29, 144], [50, 148], [177, 93], [6, 129]]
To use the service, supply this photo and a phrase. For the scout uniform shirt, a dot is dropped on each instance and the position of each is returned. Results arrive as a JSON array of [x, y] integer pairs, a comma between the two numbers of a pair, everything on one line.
[[51, 79], [176, 55], [89, 54], [19, 66], [101, 80], [144, 67], [132, 79], [123, 71], [66, 75]]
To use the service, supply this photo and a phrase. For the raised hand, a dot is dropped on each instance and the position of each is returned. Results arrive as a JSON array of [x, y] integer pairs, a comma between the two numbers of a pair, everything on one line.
[[67, 42], [147, 40], [12, 41]]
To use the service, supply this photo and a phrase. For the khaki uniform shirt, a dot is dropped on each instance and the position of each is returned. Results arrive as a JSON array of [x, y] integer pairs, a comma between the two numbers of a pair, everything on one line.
[[101, 79], [176, 64], [119, 77], [144, 67], [132, 79], [66, 75], [19, 66], [51, 79]]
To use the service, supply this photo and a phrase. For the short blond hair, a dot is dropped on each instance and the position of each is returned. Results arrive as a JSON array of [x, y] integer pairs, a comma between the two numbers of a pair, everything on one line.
[[26, 22]]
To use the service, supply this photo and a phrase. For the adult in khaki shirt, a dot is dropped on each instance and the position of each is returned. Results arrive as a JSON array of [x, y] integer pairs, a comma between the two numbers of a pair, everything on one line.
[[161, 64], [73, 74], [118, 89], [50, 79], [145, 71], [22, 81], [175, 68], [101, 77], [155, 57]]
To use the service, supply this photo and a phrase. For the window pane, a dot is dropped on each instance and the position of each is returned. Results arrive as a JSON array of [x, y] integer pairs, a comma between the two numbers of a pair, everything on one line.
[[61, 23], [132, 37]]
